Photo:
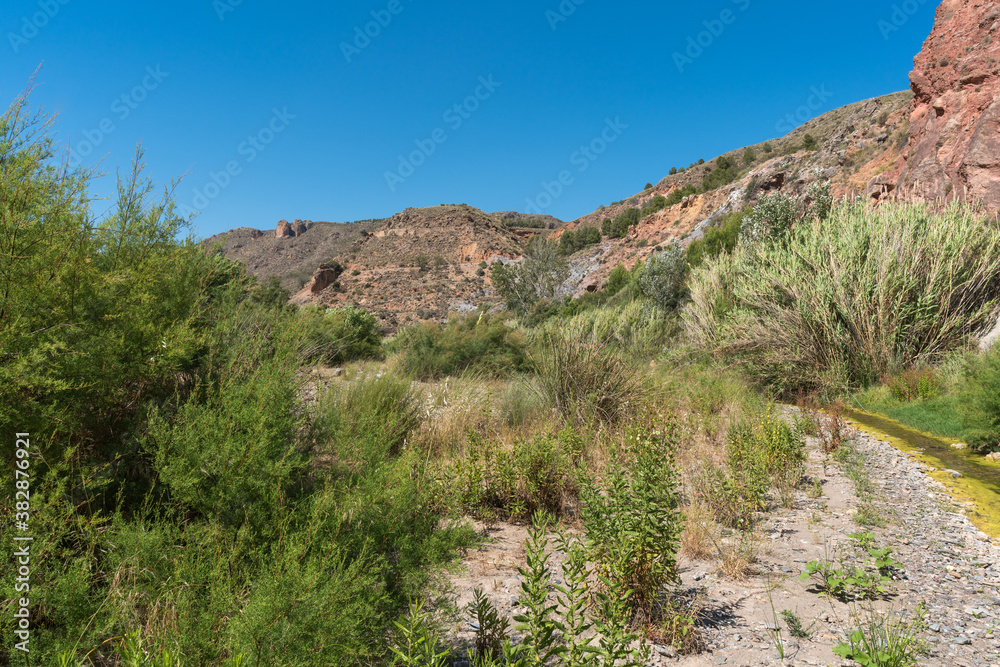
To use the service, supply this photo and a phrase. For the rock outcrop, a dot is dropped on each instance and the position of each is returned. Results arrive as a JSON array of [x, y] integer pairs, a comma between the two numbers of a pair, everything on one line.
[[954, 150], [284, 230]]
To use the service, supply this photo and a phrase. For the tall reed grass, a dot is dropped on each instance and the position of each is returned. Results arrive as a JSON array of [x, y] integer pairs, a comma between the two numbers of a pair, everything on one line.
[[844, 302]]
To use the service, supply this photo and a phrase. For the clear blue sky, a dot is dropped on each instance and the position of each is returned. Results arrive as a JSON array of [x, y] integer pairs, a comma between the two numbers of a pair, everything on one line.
[[209, 85]]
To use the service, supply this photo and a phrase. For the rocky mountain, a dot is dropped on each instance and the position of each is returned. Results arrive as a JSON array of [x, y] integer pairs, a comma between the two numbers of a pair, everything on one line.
[[420, 264], [293, 250], [938, 141], [852, 147], [954, 149]]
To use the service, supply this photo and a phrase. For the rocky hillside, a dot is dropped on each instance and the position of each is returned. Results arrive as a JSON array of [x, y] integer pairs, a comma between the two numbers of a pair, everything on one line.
[[939, 141], [854, 146], [954, 149], [419, 264], [292, 251]]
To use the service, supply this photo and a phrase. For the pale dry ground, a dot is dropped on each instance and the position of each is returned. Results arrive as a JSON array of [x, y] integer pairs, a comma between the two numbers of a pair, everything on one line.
[[738, 612]]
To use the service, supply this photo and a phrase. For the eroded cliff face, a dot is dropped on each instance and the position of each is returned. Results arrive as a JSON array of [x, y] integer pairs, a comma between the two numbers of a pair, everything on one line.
[[954, 149]]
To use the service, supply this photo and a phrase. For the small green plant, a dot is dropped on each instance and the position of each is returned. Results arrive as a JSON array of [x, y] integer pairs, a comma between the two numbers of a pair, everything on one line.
[[884, 639], [416, 645], [856, 583], [794, 623], [632, 519], [491, 628]]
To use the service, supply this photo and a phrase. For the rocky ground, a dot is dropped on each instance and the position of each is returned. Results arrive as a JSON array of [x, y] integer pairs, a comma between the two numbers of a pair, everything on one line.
[[948, 566]]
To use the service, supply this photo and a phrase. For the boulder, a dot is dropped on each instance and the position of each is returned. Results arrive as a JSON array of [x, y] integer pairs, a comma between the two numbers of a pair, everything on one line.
[[284, 230]]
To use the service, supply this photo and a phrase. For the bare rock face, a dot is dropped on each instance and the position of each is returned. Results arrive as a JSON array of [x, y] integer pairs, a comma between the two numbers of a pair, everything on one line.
[[299, 228], [325, 276], [954, 150], [284, 230]]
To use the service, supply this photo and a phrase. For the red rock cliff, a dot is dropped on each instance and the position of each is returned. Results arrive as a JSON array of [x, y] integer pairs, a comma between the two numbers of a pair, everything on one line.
[[954, 149]]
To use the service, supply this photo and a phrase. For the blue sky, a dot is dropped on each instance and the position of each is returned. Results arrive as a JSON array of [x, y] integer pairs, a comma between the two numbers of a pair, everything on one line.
[[290, 110]]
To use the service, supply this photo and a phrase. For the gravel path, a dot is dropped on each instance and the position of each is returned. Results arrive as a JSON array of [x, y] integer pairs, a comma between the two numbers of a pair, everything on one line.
[[948, 565]]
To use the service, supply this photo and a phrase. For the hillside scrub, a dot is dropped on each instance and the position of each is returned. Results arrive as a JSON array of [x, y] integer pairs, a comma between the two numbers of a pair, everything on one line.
[[185, 504], [892, 288], [477, 342]]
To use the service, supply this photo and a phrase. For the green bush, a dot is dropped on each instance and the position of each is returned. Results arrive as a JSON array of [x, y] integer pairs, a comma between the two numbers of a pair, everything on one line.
[[894, 287], [716, 241], [492, 483], [338, 335], [761, 454], [678, 195], [632, 519], [191, 505], [980, 400], [663, 279], [583, 380], [476, 342], [618, 279], [725, 172], [571, 242]]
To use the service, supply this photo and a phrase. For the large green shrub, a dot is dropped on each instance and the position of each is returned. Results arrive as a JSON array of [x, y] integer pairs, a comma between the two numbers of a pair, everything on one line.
[[843, 302], [585, 379], [189, 503], [338, 335], [523, 284], [664, 278], [477, 342]]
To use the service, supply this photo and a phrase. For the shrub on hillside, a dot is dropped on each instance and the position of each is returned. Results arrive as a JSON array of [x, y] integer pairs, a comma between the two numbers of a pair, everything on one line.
[[476, 342], [338, 335], [718, 239], [521, 285], [725, 172], [618, 280], [678, 195], [893, 287], [664, 277], [584, 237]]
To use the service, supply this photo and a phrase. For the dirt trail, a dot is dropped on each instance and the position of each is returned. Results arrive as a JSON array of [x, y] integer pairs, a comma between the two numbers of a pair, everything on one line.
[[947, 564]]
